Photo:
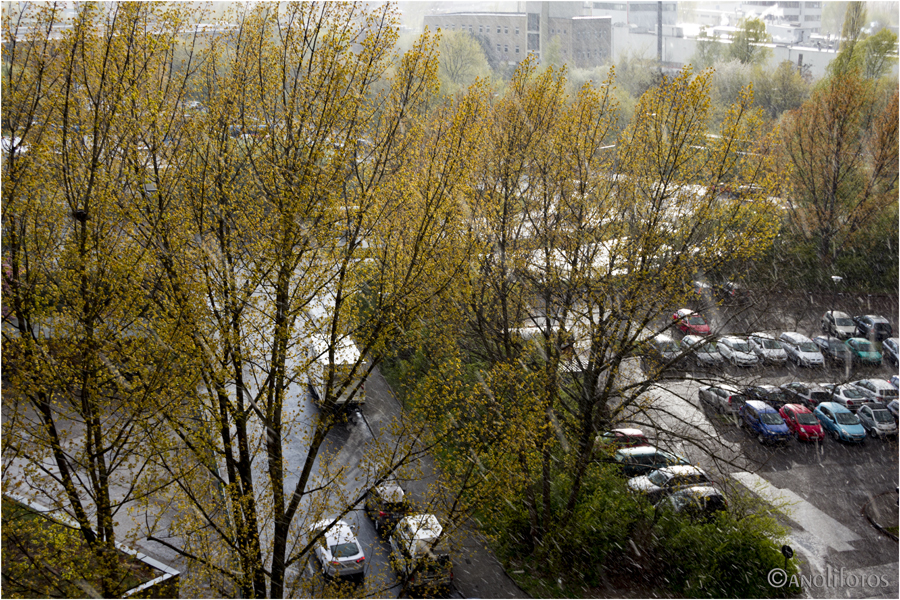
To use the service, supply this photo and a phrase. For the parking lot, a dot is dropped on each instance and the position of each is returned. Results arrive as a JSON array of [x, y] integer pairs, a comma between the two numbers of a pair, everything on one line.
[[824, 485]]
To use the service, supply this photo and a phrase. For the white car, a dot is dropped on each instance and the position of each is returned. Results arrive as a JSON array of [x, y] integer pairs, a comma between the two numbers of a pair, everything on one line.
[[878, 390], [767, 348], [702, 350], [847, 395], [839, 324], [420, 553], [801, 350], [662, 482], [338, 551], [737, 351]]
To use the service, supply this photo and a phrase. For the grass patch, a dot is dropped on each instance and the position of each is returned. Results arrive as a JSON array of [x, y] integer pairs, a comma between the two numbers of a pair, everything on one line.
[[45, 559]]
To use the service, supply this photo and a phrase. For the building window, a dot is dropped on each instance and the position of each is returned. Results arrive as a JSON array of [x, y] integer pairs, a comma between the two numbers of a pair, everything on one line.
[[506, 30], [534, 22], [505, 49], [470, 29], [517, 49], [498, 29], [534, 41], [481, 29], [498, 48], [517, 31]]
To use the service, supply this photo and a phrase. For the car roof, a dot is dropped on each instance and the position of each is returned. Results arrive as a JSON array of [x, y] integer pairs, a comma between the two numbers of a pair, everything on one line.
[[793, 335], [682, 470], [879, 383], [797, 408], [833, 407], [338, 533], [424, 527], [662, 337], [629, 431], [639, 450], [759, 405], [762, 335], [838, 313], [683, 312], [875, 318], [698, 491], [391, 491]]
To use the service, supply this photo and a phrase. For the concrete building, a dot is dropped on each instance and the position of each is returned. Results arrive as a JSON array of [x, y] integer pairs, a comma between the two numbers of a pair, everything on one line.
[[539, 28], [637, 16]]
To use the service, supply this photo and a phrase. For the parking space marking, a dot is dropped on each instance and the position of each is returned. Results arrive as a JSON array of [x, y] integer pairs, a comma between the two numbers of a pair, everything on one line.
[[810, 518]]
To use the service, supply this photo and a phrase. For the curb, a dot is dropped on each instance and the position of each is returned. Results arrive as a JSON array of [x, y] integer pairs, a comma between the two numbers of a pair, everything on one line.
[[875, 523]]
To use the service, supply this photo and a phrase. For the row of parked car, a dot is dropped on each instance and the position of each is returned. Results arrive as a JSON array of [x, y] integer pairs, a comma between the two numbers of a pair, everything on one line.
[[840, 345], [807, 411], [419, 551], [666, 479]]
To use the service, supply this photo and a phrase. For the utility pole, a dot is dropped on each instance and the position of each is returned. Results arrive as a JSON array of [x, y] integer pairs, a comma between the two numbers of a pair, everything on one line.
[[659, 33]]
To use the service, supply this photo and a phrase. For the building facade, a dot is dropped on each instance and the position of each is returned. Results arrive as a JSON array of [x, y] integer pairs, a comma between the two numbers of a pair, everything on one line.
[[543, 29]]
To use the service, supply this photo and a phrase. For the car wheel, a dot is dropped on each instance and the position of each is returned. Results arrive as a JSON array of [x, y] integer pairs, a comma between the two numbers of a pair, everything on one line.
[[834, 434], [761, 439]]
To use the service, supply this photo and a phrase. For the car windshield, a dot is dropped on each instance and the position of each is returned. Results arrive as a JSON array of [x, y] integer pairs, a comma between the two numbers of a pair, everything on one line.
[[807, 419], [668, 347], [819, 396], [807, 347], [709, 348], [882, 327], [344, 550], [696, 320], [771, 345], [658, 478], [843, 322], [770, 418], [865, 347], [882, 416], [740, 346], [889, 393], [775, 396], [837, 346], [852, 393], [846, 418]]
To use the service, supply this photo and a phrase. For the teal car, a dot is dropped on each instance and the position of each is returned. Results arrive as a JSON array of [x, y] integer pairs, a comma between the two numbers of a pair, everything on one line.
[[839, 422], [863, 351]]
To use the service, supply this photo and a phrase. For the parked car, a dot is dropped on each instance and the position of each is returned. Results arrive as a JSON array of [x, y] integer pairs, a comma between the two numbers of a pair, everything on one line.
[[893, 406], [764, 421], [737, 351], [690, 323], [771, 395], [801, 350], [847, 395], [420, 554], [386, 504], [802, 422], [839, 422], [863, 351], [723, 398], [699, 502], [839, 324], [767, 348], [895, 381], [664, 349], [338, 551], [702, 350], [641, 460], [807, 394], [890, 350], [877, 420], [877, 389], [623, 438], [833, 349], [873, 327], [663, 482]]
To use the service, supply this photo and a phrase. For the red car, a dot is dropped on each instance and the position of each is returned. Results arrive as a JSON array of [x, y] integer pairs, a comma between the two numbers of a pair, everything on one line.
[[802, 422], [624, 438], [690, 323]]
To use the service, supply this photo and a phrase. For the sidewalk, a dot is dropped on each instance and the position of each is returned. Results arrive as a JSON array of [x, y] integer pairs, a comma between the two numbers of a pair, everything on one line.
[[883, 513]]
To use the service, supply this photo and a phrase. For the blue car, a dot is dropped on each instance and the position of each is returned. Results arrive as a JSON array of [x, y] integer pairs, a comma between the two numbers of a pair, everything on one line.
[[839, 422], [764, 421]]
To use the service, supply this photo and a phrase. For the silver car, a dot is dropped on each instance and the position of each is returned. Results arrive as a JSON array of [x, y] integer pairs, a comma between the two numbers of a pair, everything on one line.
[[839, 324], [767, 348], [338, 551], [801, 350], [877, 421], [737, 351], [702, 350]]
